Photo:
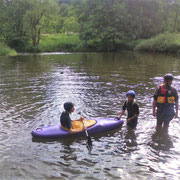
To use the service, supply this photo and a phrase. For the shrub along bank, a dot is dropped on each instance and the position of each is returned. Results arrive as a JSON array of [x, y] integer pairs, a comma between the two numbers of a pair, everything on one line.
[[4, 50], [72, 43], [57, 43], [165, 43]]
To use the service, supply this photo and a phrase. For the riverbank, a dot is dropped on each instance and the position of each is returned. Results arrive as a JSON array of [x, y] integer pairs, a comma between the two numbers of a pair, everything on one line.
[[5, 50], [163, 43], [58, 43], [72, 43]]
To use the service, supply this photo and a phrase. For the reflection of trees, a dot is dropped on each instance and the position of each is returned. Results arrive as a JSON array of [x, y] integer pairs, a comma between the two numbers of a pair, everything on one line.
[[161, 139], [23, 83], [135, 68], [98, 80]]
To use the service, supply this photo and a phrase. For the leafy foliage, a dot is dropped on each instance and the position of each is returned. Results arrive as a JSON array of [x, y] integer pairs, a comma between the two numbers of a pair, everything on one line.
[[61, 42], [167, 42], [102, 25], [4, 50]]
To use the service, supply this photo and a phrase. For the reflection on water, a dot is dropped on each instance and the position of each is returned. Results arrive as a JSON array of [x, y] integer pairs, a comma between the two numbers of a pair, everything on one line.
[[130, 140], [33, 89], [161, 139]]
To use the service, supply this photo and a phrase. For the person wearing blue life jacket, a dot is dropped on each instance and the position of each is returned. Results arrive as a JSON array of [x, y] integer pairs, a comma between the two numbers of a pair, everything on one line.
[[132, 109], [65, 119], [165, 101]]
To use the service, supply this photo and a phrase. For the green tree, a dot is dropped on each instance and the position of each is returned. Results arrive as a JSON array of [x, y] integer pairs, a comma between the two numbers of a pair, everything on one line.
[[65, 12], [144, 18], [102, 23], [64, 1], [111, 24], [12, 13], [2, 7], [71, 25], [174, 16], [38, 9]]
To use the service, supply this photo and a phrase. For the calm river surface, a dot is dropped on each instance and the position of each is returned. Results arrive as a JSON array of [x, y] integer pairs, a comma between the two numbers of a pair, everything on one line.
[[33, 89]]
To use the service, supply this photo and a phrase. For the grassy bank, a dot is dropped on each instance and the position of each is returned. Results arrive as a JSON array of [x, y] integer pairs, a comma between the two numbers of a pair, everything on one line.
[[58, 42], [4, 50], [166, 43], [72, 43]]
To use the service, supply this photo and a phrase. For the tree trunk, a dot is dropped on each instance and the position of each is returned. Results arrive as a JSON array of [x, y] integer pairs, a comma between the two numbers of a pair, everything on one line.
[[35, 36], [175, 22]]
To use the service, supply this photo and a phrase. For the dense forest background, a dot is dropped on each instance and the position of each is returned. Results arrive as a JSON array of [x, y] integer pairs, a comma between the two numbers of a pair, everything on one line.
[[89, 25]]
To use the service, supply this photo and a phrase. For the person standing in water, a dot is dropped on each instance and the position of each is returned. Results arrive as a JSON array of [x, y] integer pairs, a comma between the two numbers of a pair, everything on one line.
[[165, 99], [65, 119], [132, 109]]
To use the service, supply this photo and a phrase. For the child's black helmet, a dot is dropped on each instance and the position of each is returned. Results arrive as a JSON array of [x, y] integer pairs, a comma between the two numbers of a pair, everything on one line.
[[168, 77], [68, 106]]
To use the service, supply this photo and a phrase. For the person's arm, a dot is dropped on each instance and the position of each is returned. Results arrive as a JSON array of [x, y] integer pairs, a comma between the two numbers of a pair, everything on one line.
[[129, 119], [155, 101], [154, 107], [176, 107], [80, 119], [176, 102], [123, 110], [119, 117], [73, 131]]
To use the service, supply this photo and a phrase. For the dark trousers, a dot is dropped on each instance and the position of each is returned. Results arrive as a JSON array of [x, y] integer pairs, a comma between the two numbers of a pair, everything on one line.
[[132, 123], [163, 118]]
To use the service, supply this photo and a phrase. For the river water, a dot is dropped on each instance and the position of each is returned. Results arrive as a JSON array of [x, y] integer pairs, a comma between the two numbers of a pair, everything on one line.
[[33, 89]]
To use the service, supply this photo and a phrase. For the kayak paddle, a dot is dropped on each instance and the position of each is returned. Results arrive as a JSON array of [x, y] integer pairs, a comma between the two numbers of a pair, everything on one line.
[[89, 141]]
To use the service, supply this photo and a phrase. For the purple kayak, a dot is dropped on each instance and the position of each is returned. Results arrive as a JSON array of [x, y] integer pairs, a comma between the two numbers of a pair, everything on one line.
[[102, 125]]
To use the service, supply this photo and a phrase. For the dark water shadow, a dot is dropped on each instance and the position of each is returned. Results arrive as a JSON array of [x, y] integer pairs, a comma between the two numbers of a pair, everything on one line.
[[106, 134], [75, 138], [68, 141], [65, 140], [161, 140], [130, 140]]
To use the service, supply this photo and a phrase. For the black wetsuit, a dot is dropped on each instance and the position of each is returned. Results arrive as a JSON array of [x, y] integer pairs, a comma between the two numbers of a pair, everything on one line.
[[132, 109], [65, 120]]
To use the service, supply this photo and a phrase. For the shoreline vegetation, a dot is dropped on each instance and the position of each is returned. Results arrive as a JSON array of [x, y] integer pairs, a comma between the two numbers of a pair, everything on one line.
[[5, 50], [58, 43], [162, 43], [89, 26]]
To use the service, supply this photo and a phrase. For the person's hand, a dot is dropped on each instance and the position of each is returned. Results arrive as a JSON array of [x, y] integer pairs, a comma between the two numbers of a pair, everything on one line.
[[81, 118], [176, 115], [154, 114], [128, 120], [118, 117]]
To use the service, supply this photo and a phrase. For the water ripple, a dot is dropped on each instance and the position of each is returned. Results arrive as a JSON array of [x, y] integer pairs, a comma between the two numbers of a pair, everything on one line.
[[33, 89]]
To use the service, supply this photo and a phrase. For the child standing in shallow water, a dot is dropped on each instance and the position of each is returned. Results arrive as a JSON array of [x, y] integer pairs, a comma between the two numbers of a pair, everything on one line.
[[132, 109]]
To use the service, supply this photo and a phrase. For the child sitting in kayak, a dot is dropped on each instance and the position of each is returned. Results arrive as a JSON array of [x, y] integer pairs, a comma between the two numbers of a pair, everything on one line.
[[65, 119], [132, 109]]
